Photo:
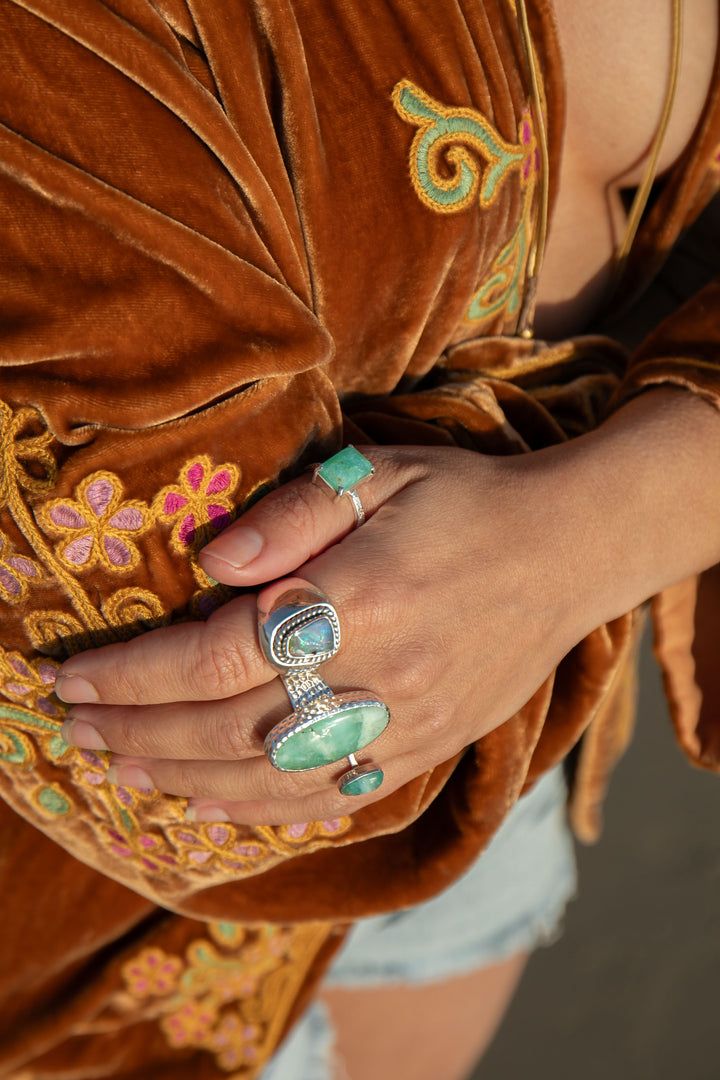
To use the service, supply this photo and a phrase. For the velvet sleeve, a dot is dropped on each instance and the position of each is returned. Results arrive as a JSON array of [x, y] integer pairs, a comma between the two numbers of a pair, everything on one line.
[[211, 215]]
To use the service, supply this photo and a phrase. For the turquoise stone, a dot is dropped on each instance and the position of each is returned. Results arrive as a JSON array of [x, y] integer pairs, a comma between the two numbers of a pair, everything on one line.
[[333, 737], [313, 638], [362, 785], [345, 470]]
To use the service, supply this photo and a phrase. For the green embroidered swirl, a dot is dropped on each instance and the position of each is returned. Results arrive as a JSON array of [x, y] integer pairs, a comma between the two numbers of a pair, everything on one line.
[[448, 135]]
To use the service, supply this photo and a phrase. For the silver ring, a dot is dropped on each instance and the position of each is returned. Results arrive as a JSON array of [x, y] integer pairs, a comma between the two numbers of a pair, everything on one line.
[[360, 779], [342, 472], [301, 631]]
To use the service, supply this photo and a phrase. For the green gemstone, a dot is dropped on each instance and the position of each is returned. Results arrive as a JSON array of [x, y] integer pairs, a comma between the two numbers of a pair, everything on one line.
[[333, 738], [345, 470], [362, 785], [313, 638]]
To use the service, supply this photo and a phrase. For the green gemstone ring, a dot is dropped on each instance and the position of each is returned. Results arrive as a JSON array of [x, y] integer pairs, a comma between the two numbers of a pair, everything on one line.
[[300, 632], [342, 473], [361, 779], [326, 729]]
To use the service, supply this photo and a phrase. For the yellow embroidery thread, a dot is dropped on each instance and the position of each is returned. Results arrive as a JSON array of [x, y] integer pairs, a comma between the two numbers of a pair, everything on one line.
[[445, 175]]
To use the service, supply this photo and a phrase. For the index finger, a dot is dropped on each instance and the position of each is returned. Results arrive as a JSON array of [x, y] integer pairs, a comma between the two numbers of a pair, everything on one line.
[[198, 661]]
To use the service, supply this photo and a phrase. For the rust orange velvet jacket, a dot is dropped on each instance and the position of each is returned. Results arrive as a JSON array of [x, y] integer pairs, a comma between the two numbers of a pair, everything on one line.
[[235, 234]]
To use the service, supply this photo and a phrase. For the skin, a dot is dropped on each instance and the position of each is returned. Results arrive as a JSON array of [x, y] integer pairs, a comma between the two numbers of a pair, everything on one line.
[[561, 541]]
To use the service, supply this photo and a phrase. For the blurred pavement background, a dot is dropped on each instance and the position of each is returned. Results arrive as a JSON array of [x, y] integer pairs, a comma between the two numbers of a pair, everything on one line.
[[632, 990]]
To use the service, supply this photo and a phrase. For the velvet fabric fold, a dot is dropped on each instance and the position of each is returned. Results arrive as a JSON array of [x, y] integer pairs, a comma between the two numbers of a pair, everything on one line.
[[211, 218]]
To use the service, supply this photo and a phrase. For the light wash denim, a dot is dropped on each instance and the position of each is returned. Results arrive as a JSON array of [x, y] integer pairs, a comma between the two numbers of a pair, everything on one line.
[[510, 901]]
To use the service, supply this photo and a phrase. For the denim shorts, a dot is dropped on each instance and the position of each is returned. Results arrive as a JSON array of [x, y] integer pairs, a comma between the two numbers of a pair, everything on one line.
[[510, 901]]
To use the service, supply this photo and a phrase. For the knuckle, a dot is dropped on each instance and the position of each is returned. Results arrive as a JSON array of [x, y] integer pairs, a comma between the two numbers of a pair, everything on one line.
[[129, 735], [224, 738], [185, 781], [292, 508], [439, 725], [220, 667], [412, 672]]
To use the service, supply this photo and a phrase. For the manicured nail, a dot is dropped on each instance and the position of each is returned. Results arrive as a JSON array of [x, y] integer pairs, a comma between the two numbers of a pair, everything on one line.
[[206, 813], [74, 689], [235, 549], [131, 776], [80, 733]]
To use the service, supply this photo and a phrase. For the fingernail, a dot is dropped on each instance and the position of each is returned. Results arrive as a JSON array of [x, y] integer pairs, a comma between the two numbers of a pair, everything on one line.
[[131, 776], [236, 549], [74, 690], [206, 813], [80, 733]]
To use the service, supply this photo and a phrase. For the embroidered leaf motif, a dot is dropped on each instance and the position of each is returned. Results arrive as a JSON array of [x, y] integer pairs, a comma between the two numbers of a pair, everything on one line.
[[24, 455], [445, 174], [501, 293], [30, 683], [17, 573]]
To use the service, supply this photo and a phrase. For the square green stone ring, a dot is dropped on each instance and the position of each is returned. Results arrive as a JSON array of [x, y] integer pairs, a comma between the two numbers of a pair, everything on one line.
[[342, 473]]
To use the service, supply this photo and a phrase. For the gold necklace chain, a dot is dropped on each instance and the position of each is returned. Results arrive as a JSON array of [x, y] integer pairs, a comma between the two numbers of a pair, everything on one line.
[[537, 251]]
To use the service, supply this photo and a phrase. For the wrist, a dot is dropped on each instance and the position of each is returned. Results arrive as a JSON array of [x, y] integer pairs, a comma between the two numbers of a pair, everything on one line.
[[633, 506]]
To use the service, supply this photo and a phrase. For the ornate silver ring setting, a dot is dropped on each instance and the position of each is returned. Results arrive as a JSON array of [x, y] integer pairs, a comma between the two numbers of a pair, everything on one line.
[[300, 632]]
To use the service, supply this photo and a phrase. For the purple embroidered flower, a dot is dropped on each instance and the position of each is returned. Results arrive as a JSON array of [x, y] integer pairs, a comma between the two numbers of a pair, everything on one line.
[[97, 527], [200, 501], [233, 1040], [15, 573], [29, 682]]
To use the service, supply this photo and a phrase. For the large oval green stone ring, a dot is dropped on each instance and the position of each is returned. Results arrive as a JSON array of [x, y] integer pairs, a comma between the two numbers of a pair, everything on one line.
[[299, 632]]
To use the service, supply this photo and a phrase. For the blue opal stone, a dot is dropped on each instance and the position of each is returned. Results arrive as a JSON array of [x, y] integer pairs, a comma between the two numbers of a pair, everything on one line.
[[312, 639]]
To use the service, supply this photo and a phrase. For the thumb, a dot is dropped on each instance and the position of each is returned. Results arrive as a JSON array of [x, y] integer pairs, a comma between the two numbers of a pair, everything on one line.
[[302, 518]]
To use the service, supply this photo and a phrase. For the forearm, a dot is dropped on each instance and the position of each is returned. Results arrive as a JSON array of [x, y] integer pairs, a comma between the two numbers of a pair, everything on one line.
[[634, 506]]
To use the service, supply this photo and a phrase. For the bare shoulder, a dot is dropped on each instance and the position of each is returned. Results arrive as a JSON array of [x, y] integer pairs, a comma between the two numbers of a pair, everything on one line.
[[616, 56]]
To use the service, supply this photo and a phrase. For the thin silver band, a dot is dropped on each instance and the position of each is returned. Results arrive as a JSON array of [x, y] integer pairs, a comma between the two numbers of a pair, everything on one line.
[[357, 505]]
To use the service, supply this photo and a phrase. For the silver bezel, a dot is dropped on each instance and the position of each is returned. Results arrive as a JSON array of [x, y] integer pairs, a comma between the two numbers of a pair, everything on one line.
[[275, 629], [323, 708]]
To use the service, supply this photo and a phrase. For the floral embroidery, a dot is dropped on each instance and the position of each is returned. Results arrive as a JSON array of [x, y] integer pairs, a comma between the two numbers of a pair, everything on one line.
[[502, 292], [30, 683], [229, 996], [440, 147], [154, 972], [448, 179], [199, 504], [97, 527], [16, 572]]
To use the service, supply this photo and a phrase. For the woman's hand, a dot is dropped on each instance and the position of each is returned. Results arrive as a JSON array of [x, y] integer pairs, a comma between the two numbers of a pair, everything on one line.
[[452, 610]]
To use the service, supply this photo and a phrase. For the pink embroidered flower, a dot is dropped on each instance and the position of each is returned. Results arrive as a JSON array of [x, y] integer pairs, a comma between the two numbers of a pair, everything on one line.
[[153, 972], [190, 1025], [29, 682], [16, 572], [97, 527], [302, 832], [200, 503]]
